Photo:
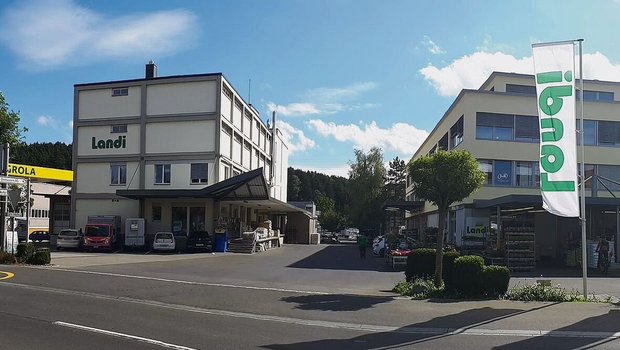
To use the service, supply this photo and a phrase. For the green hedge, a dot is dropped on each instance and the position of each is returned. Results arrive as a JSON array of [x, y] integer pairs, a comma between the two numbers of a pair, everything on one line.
[[467, 275], [495, 280], [25, 251], [420, 264], [448, 269], [41, 257], [7, 258]]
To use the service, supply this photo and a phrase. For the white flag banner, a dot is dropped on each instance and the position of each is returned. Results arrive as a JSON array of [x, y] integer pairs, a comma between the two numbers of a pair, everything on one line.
[[554, 65]]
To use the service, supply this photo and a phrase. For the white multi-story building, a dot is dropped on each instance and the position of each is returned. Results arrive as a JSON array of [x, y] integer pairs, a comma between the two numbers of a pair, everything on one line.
[[498, 125], [180, 151]]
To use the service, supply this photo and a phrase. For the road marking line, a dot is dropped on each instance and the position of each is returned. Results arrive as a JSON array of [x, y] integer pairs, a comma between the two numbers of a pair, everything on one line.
[[7, 275], [185, 282], [528, 333], [122, 335]]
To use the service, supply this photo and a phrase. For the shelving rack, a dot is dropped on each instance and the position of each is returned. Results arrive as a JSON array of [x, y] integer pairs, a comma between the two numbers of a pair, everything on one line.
[[520, 246]]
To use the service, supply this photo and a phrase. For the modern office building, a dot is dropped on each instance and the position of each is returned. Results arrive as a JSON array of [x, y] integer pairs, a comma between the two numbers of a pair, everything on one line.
[[498, 125], [183, 152]]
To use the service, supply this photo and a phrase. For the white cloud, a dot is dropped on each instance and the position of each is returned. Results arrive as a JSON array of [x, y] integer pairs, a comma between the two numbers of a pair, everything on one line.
[[336, 171], [431, 46], [326, 101], [402, 138], [293, 109], [327, 95], [294, 138], [470, 71], [56, 126], [48, 34]]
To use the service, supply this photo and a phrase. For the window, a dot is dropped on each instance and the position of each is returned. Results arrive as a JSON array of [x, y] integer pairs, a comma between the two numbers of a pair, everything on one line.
[[527, 174], [502, 173], [521, 89], [156, 213], [443, 143], [120, 128], [589, 170], [456, 133], [226, 172], [590, 95], [526, 128], [486, 166], [199, 173], [118, 174], [494, 126], [227, 92], [120, 92], [608, 133], [589, 136], [162, 173], [611, 172]]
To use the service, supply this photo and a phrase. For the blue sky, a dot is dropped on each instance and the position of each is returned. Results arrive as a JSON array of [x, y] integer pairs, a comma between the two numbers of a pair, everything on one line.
[[340, 74]]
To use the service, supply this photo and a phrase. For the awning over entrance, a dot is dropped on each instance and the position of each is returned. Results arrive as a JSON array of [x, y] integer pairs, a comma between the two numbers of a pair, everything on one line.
[[535, 200], [245, 189], [392, 204], [246, 186]]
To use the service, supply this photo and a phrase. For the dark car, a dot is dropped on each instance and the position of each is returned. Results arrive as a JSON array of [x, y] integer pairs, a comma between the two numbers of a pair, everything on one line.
[[199, 240], [40, 236]]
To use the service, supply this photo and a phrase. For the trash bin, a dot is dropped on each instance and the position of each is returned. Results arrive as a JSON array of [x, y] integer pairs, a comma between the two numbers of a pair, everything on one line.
[[221, 242]]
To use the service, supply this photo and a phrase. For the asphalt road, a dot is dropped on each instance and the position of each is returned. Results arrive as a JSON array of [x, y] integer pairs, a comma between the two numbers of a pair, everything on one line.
[[295, 297]]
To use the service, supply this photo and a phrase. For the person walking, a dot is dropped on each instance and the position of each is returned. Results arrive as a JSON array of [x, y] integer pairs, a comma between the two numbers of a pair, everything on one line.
[[602, 248], [362, 242]]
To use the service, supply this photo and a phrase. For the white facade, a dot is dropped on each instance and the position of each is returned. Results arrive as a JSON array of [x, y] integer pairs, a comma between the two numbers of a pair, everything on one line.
[[169, 133]]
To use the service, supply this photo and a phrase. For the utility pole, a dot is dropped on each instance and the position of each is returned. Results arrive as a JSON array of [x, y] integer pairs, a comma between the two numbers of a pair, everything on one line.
[[4, 168]]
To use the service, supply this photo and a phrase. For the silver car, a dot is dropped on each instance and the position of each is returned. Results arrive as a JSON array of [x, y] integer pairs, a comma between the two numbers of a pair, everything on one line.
[[69, 238], [164, 241]]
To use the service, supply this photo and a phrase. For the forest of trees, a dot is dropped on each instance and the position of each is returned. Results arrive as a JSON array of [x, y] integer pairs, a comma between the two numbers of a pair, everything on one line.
[[353, 201], [51, 155]]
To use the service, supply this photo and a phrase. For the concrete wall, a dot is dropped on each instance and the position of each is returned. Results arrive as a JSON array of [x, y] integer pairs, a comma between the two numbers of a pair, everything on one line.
[[179, 98], [100, 103], [182, 136]]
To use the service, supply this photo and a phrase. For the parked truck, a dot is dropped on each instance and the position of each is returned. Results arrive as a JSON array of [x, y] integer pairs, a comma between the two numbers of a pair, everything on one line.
[[134, 233], [102, 232]]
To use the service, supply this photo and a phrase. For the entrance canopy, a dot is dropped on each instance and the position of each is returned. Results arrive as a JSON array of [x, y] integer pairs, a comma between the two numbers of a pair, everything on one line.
[[247, 186], [245, 189], [392, 204], [516, 200]]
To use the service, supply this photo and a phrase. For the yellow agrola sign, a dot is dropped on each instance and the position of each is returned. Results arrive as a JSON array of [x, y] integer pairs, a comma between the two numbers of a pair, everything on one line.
[[40, 173]]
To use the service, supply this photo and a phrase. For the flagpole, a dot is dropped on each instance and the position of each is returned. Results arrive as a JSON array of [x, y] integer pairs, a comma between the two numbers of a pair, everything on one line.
[[584, 261]]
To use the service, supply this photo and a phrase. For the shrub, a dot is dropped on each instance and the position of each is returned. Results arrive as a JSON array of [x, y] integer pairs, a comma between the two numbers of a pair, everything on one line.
[[41, 257], [419, 288], [539, 292], [495, 280], [467, 275], [7, 258], [25, 251], [420, 264], [448, 269]]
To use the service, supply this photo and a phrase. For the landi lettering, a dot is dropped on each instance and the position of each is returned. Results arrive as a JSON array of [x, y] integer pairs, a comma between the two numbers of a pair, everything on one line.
[[550, 102], [120, 142]]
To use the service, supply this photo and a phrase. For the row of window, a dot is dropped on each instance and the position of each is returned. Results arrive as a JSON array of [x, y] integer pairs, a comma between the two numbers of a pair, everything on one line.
[[163, 172], [524, 128], [39, 213], [527, 174], [588, 95], [507, 127], [510, 173]]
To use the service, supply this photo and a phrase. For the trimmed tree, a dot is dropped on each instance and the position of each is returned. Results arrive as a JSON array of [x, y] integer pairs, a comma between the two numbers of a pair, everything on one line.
[[442, 179]]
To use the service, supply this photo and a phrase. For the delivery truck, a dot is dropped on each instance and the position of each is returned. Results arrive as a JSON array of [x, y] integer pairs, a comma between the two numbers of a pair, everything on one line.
[[134, 233], [102, 232]]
